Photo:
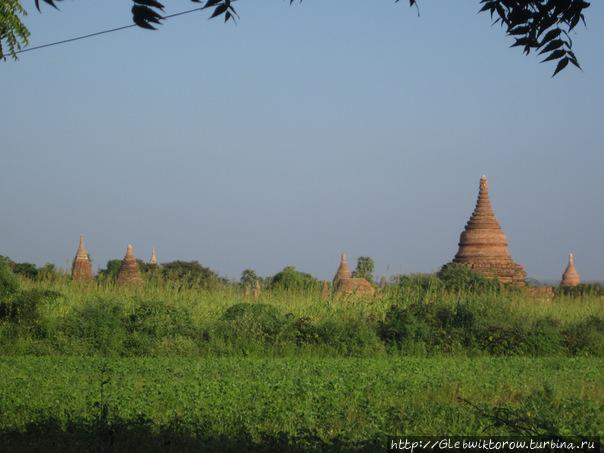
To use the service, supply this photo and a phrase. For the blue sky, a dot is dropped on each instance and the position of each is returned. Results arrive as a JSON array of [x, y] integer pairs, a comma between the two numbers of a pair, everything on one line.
[[298, 134]]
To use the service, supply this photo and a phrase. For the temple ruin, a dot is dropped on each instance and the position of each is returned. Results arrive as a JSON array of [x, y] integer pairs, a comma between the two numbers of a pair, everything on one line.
[[571, 276], [81, 269], [483, 245], [129, 272], [345, 284], [153, 259]]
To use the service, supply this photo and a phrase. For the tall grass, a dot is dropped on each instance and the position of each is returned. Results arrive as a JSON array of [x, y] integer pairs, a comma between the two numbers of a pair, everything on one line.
[[166, 318]]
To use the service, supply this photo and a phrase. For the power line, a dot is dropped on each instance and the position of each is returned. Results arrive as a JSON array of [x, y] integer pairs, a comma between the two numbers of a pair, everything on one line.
[[111, 30]]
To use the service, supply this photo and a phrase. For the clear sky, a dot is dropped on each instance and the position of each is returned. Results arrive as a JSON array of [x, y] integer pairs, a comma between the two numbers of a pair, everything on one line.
[[300, 133]]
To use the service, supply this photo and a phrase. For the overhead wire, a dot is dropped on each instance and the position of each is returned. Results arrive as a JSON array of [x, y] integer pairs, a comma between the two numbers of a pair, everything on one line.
[[111, 30]]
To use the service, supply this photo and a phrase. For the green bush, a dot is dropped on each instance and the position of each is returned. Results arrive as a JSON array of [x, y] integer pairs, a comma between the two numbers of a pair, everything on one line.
[[581, 290], [458, 277], [291, 279], [257, 322], [586, 337], [349, 337], [99, 324], [419, 283], [8, 282], [23, 311], [190, 274]]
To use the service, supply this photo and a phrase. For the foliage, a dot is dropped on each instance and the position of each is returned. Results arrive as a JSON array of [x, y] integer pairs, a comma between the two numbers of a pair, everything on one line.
[[459, 277], [98, 324], [13, 33], [365, 268], [581, 290], [287, 404], [111, 270], [538, 25], [8, 282], [542, 25], [291, 279], [27, 270], [190, 274], [249, 278]]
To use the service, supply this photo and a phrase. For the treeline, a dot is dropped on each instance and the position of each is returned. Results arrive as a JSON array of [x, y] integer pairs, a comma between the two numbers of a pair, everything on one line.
[[453, 312], [192, 274]]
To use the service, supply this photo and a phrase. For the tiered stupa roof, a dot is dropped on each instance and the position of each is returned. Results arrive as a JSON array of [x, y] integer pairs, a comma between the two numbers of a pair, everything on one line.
[[81, 268], [571, 276], [483, 245], [129, 273]]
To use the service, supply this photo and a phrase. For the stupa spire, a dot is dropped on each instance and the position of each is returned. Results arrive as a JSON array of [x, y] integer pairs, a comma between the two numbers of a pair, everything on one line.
[[81, 268], [153, 259], [129, 273], [343, 270], [483, 245], [571, 276]]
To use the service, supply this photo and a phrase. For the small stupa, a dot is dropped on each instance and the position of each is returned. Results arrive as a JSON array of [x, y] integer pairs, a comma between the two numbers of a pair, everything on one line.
[[129, 273], [483, 245], [343, 270], [325, 292], [81, 269], [344, 284], [153, 260], [571, 276]]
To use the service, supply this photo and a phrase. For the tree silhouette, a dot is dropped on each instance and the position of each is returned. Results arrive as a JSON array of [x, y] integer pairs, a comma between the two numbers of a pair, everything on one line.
[[541, 26]]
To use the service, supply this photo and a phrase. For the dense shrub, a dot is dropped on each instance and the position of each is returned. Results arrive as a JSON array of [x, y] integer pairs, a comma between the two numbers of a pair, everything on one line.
[[190, 274], [460, 278], [257, 321], [349, 337], [586, 337], [581, 290], [111, 270], [419, 283], [8, 282], [291, 279], [98, 323]]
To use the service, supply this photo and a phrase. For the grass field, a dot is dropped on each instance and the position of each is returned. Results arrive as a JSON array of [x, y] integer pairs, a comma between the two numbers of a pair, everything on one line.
[[163, 367], [307, 403]]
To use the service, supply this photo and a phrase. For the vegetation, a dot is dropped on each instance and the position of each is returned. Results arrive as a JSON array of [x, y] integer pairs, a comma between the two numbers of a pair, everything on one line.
[[535, 25], [187, 311], [365, 268], [286, 404], [94, 366]]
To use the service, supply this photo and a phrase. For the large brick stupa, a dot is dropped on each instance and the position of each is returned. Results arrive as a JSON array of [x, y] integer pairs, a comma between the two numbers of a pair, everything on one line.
[[483, 245]]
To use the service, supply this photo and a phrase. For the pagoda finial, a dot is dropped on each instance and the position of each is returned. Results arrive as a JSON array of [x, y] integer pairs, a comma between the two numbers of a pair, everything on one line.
[[82, 253], [153, 259]]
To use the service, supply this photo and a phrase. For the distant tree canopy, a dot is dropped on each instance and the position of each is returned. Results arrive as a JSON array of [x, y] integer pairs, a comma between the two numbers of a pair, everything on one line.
[[364, 269], [541, 26], [292, 279], [31, 271], [190, 273], [249, 278]]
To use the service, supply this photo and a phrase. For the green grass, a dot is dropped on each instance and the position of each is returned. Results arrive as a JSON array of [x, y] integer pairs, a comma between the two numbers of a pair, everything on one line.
[[165, 367], [310, 403]]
